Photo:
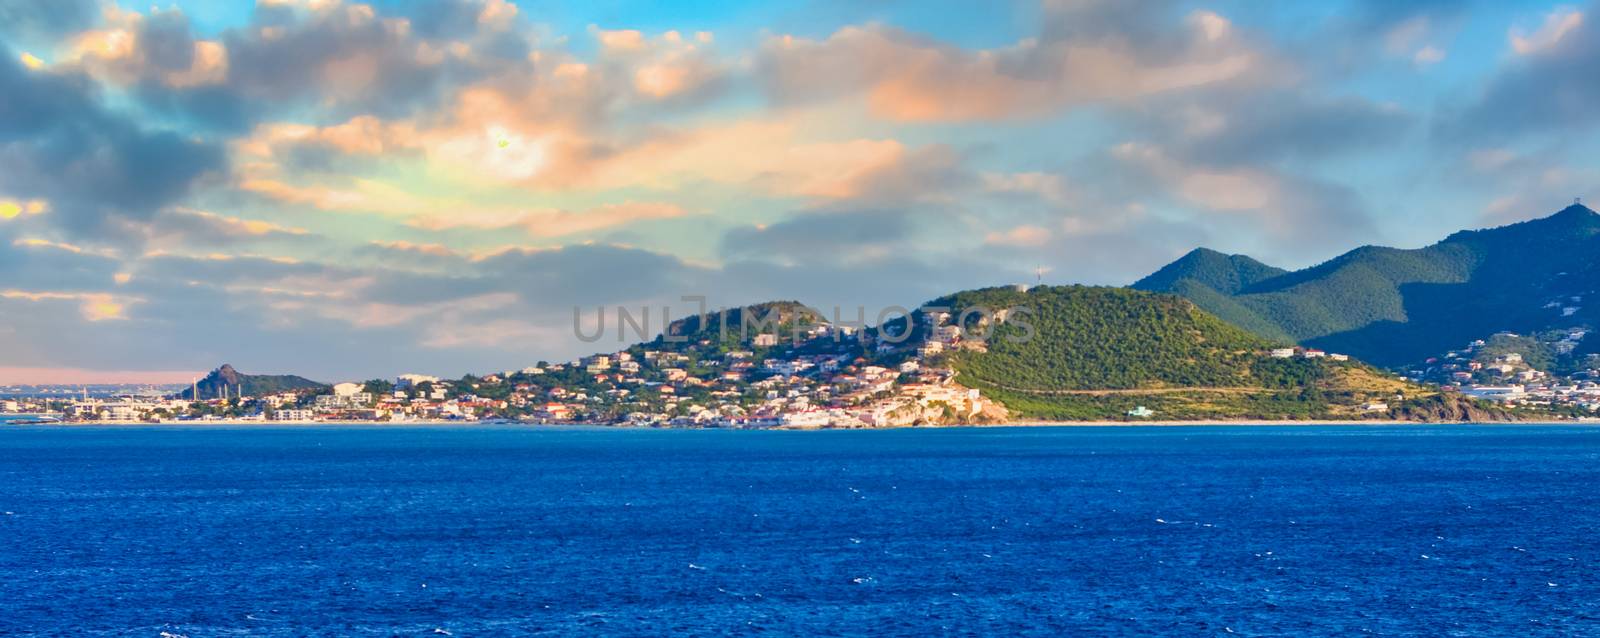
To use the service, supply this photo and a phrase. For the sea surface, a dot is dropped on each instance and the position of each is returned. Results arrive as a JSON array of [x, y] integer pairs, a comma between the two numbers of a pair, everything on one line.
[[508, 531]]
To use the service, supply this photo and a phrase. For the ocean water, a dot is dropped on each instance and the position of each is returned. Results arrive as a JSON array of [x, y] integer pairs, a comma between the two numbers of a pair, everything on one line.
[[506, 531]]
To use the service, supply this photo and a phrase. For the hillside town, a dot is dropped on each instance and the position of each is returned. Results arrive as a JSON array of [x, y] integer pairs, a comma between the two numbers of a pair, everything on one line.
[[794, 370], [807, 374], [1547, 370]]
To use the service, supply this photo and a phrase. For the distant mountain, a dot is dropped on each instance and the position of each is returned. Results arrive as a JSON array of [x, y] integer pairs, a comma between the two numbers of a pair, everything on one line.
[[227, 380], [1221, 272], [1394, 306]]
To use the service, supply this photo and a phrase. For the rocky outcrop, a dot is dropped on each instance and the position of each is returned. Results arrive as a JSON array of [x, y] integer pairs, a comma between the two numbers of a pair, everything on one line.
[[228, 382], [1452, 408]]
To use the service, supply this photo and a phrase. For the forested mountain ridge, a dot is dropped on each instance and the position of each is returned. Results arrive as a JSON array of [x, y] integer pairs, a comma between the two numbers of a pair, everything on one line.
[[1221, 272], [1395, 306]]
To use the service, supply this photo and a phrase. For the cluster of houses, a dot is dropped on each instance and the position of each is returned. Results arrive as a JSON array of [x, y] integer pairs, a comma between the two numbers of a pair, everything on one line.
[[735, 389], [825, 376], [1485, 369], [341, 402]]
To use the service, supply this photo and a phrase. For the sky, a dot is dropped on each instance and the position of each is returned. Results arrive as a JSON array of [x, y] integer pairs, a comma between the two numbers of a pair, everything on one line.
[[346, 190]]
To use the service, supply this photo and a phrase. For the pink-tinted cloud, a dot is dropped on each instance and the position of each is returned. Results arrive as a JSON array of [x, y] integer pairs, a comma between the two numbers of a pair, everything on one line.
[[905, 76], [12, 375], [552, 223]]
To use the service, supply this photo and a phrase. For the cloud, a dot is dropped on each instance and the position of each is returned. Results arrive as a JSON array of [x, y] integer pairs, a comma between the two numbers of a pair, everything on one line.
[[1261, 127], [340, 59], [92, 306], [363, 135], [1548, 87], [43, 262], [547, 121], [179, 228], [432, 250], [668, 67], [1557, 26], [46, 19], [850, 236], [232, 226], [34, 242], [1089, 52], [1364, 34], [16, 375], [93, 166], [1296, 212], [517, 303], [1518, 185], [1104, 245], [457, 65], [1048, 187], [552, 223], [1428, 55], [158, 48], [10, 208], [562, 124], [452, 19], [776, 156], [1026, 235]]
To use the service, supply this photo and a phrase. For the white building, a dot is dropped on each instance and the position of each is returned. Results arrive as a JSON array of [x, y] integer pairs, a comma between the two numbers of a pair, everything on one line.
[[786, 367], [1497, 393], [409, 380], [124, 411]]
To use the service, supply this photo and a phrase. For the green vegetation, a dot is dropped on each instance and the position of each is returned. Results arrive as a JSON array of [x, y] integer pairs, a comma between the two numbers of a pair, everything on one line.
[[1104, 338], [1185, 406], [721, 331], [378, 387], [1223, 273], [1097, 353], [1392, 307]]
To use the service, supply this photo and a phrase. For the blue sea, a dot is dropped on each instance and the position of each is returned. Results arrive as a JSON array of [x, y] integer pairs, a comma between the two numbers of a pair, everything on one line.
[[509, 531]]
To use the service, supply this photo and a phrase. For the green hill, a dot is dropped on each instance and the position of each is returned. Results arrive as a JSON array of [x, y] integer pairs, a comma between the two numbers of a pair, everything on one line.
[[226, 379], [1395, 306], [1223, 273], [1095, 353], [1105, 338], [737, 328]]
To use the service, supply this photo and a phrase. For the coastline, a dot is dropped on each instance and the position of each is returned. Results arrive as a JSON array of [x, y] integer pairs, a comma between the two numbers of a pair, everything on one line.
[[1019, 424], [1248, 422]]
